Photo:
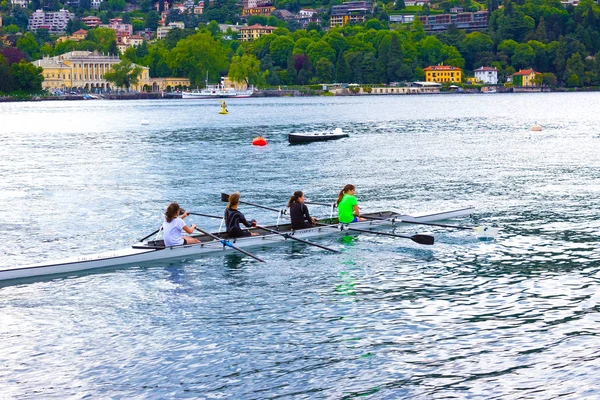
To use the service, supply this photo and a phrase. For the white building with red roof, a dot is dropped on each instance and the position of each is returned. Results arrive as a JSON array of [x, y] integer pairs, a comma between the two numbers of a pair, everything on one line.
[[487, 75]]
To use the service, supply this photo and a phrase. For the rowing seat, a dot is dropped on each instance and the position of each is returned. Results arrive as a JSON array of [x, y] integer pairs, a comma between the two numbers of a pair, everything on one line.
[[152, 244]]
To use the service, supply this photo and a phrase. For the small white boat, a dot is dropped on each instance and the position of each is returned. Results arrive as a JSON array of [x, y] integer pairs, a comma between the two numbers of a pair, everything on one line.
[[154, 250], [337, 133]]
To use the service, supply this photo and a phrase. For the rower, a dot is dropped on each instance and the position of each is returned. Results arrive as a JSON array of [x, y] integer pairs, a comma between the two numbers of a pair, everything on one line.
[[173, 225], [299, 214], [233, 219], [347, 205]]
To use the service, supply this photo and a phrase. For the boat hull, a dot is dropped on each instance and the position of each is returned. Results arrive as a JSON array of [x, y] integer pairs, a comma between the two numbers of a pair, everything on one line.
[[314, 137], [148, 251], [216, 94]]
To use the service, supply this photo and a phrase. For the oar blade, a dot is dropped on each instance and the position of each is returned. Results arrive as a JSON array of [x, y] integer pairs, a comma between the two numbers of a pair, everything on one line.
[[487, 232], [423, 239], [224, 197]]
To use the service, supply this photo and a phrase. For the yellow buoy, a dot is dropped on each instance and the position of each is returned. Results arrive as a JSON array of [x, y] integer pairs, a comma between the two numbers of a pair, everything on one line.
[[223, 108]]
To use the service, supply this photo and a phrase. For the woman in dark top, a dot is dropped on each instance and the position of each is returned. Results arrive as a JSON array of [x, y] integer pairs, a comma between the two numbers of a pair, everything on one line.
[[233, 219], [299, 215]]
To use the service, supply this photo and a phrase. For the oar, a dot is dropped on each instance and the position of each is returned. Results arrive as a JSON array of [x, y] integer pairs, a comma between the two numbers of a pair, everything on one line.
[[288, 236], [320, 204], [421, 239], [481, 230], [205, 215], [153, 233], [225, 198], [229, 244]]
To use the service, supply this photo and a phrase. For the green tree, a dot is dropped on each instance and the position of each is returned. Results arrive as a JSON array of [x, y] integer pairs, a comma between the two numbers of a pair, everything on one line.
[[338, 42], [117, 5], [28, 45], [395, 60], [290, 73], [280, 49], [20, 17], [430, 51], [156, 60], [342, 70], [473, 45], [27, 77], [301, 45], [152, 19], [137, 25], [197, 54], [245, 69], [320, 49], [324, 70], [124, 74], [374, 24], [214, 29], [104, 38], [572, 81], [523, 56], [575, 67], [6, 80], [549, 79]]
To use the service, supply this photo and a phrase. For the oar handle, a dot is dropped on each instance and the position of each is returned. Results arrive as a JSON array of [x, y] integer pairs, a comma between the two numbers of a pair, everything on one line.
[[229, 244]]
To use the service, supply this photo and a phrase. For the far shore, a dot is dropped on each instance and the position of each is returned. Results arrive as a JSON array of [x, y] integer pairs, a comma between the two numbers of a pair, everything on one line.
[[303, 92]]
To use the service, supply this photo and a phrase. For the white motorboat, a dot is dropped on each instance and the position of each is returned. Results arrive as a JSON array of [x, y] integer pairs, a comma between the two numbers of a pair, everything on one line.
[[337, 133], [211, 243]]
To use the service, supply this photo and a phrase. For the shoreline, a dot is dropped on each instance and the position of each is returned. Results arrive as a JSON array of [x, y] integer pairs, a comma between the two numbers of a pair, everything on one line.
[[358, 91]]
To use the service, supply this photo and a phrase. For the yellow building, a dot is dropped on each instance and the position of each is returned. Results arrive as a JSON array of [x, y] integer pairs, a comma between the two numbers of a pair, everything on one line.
[[525, 77], [248, 33], [83, 70], [261, 10], [166, 84], [443, 73]]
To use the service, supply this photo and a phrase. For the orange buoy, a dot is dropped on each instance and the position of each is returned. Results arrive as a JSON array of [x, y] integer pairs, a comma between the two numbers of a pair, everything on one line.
[[259, 141]]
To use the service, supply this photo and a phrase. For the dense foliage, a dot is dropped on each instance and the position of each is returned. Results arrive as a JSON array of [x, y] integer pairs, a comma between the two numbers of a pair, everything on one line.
[[18, 75], [562, 43]]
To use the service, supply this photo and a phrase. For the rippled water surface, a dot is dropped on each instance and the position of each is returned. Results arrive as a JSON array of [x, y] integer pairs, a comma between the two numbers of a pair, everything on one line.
[[512, 318]]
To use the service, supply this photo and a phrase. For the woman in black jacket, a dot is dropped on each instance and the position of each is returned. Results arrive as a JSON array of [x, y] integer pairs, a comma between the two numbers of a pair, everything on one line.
[[299, 215]]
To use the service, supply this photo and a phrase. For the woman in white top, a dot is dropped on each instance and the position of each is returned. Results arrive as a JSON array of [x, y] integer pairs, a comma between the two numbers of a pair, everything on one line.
[[174, 224]]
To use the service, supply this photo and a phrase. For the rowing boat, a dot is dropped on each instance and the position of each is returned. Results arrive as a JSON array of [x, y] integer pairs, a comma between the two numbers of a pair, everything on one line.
[[154, 250]]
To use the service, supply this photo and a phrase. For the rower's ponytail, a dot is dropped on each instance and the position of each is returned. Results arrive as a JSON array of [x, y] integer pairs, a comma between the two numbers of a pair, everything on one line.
[[234, 200], [172, 212], [294, 199], [346, 189]]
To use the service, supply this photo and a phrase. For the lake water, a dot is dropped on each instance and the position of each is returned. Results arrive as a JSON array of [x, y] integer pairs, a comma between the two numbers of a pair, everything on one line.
[[512, 318]]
